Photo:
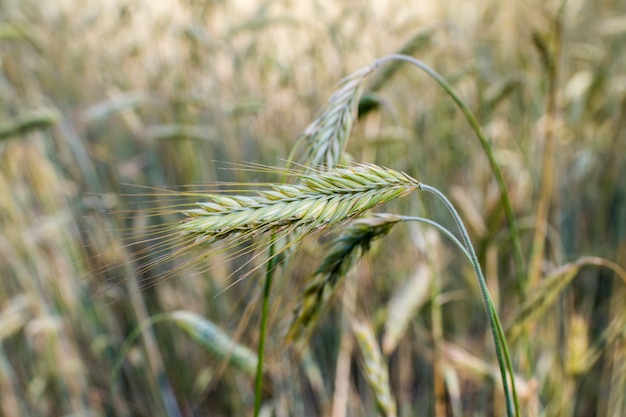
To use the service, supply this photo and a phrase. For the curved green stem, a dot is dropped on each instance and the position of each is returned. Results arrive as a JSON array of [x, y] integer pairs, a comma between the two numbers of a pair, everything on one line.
[[502, 352], [486, 145], [128, 344], [443, 230]]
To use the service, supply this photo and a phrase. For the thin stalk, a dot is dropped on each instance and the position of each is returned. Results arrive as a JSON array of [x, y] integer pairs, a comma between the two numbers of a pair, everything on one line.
[[436, 322], [126, 346], [502, 353], [269, 275], [153, 354], [507, 356], [547, 174], [467, 255], [486, 145], [443, 230]]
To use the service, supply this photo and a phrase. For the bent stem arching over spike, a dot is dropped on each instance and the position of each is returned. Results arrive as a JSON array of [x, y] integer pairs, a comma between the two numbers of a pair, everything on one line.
[[501, 348], [327, 136], [486, 145]]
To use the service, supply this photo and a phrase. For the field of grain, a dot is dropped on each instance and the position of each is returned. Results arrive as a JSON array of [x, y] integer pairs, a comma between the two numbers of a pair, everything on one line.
[[118, 298]]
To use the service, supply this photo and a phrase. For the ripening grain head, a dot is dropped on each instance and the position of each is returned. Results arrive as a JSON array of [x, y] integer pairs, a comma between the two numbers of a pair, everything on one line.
[[374, 367], [228, 219], [327, 135], [321, 199], [345, 251]]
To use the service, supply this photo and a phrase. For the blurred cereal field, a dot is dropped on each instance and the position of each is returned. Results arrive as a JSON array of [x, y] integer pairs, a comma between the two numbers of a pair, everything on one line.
[[100, 98]]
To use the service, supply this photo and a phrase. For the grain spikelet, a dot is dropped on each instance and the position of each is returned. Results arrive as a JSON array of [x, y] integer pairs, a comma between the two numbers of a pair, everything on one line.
[[216, 341], [580, 356], [404, 305], [374, 367], [616, 403], [345, 251], [576, 362], [327, 135], [15, 315], [475, 367], [550, 288], [542, 298], [321, 200], [26, 123]]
